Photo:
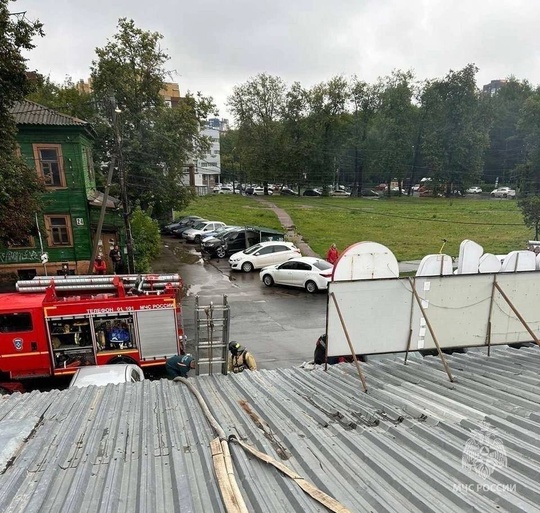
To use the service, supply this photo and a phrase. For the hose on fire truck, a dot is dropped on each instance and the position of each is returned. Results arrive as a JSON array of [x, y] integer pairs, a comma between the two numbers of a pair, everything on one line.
[[224, 470]]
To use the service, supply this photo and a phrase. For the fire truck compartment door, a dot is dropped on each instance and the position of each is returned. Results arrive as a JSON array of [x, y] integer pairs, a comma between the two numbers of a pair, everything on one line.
[[157, 333]]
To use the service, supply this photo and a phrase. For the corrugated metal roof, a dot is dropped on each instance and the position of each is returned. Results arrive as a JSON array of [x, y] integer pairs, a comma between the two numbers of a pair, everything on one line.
[[399, 447], [31, 113]]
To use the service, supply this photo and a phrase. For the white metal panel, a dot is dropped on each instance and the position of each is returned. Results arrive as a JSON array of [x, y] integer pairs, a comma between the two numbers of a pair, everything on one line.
[[469, 257], [457, 307], [157, 333], [366, 261], [376, 314], [523, 260], [489, 264], [435, 265], [523, 290]]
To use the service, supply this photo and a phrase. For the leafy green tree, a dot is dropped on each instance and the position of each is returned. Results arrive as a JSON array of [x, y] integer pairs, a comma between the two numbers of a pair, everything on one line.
[[327, 123], [394, 127], [19, 186], [530, 208], [155, 141], [456, 125], [298, 142], [365, 99], [230, 157], [66, 98], [529, 127], [507, 144], [148, 240], [257, 106]]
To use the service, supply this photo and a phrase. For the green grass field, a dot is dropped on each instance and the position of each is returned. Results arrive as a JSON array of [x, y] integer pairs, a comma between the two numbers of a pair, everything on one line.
[[410, 227]]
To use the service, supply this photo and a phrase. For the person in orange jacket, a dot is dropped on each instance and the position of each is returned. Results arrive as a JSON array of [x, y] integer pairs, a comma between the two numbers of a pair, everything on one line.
[[100, 267], [332, 255]]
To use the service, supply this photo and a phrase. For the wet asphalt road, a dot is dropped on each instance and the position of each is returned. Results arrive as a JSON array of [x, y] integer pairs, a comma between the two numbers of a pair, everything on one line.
[[279, 325]]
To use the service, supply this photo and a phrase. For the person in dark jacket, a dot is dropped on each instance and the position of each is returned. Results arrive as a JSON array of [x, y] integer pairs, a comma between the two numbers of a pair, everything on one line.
[[320, 358], [178, 366], [116, 257]]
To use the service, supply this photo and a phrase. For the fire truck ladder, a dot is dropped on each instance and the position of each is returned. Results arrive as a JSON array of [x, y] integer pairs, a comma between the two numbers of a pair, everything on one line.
[[212, 324]]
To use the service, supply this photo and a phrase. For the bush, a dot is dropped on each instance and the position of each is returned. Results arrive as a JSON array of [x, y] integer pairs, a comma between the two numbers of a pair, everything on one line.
[[146, 240]]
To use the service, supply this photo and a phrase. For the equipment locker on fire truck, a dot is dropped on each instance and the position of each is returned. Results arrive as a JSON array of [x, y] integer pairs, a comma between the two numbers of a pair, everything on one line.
[[52, 326]]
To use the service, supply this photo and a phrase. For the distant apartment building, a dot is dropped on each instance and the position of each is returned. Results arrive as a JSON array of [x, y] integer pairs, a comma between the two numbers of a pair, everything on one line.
[[84, 87], [220, 124], [205, 172], [493, 86], [171, 94], [209, 165]]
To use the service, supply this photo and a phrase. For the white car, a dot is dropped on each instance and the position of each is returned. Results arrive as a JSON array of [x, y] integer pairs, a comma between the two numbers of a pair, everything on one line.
[[199, 230], [338, 193], [309, 273], [259, 191], [101, 375], [262, 255], [503, 192], [474, 190]]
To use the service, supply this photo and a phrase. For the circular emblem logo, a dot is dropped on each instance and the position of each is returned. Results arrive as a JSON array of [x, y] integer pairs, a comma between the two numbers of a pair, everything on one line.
[[484, 452]]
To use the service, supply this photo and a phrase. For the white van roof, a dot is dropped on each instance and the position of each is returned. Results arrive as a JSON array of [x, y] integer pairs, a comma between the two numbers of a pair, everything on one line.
[[101, 375]]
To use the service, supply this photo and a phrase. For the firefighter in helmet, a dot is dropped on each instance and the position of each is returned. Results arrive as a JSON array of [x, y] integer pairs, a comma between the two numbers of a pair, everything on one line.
[[240, 358]]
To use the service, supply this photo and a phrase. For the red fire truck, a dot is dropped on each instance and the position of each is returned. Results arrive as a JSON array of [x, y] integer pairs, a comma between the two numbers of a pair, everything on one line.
[[51, 326]]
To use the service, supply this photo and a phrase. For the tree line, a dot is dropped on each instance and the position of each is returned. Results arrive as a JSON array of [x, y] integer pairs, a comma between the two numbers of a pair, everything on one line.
[[356, 133]]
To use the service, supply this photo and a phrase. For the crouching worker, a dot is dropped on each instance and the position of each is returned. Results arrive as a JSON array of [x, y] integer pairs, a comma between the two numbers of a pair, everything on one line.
[[178, 366], [240, 358]]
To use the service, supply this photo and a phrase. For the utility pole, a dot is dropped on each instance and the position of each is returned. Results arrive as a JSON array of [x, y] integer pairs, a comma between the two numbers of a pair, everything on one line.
[[123, 192], [97, 236]]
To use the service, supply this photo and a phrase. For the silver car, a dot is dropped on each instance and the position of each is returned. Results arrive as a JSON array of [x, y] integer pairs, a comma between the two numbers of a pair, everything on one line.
[[503, 192]]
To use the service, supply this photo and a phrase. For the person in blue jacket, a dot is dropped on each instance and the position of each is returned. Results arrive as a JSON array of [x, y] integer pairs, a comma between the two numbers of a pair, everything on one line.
[[179, 366]]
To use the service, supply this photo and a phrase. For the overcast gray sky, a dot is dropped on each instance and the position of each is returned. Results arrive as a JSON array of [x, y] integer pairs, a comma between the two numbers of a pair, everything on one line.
[[217, 44]]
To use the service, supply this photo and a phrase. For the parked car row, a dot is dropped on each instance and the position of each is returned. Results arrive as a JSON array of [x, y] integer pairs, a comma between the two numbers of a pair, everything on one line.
[[249, 248], [177, 227], [236, 239]]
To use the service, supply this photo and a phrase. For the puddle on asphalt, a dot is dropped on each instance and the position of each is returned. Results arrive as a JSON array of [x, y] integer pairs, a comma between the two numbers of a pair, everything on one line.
[[185, 256]]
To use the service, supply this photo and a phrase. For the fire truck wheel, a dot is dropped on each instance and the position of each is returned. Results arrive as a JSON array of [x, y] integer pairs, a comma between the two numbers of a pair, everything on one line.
[[121, 359]]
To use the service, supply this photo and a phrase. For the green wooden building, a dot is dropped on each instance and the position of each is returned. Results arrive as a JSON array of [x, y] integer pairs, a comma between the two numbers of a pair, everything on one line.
[[59, 148]]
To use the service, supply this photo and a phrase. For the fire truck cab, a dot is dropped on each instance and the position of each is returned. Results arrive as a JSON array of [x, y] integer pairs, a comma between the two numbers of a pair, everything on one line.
[[51, 329]]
